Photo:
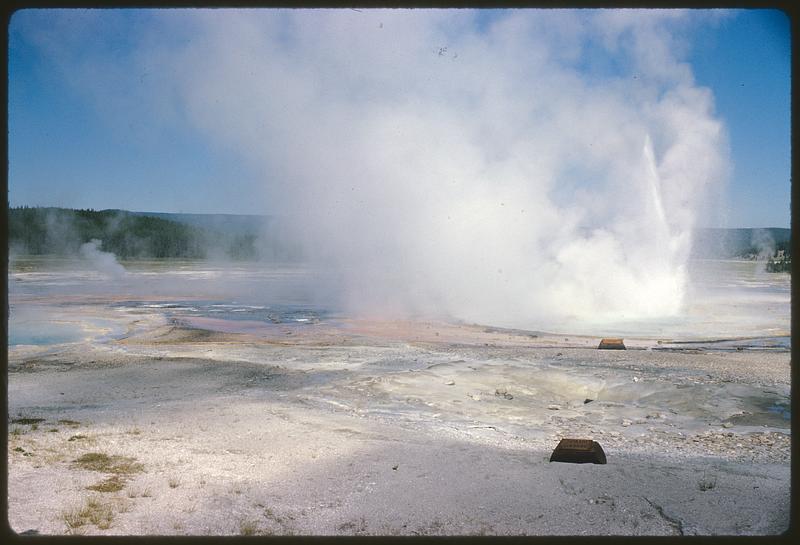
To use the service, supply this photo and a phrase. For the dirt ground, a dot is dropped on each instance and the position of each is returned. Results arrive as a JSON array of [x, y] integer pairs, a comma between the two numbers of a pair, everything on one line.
[[394, 428]]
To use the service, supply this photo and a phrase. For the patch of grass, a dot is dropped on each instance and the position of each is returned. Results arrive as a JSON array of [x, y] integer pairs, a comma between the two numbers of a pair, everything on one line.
[[270, 514], [22, 451], [95, 461], [248, 528], [285, 528], [134, 431], [16, 431], [99, 514], [390, 530], [357, 527], [34, 427], [140, 493], [174, 482], [73, 518], [27, 421], [67, 422], [98, 461], [115, 483], [53, 430], [434, 528], [93, 512], [77, 437], [53, 457]]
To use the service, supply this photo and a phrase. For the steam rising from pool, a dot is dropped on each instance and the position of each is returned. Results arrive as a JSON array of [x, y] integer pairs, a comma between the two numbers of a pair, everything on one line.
[[105, 262]]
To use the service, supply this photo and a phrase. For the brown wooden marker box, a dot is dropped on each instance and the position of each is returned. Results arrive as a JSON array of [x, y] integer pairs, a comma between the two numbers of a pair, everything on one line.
[[611, 344], [578, 451]]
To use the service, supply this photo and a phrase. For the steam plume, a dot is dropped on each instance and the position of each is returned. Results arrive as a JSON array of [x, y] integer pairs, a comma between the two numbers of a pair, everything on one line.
[[105, 262], [532, 166], [428, 168]]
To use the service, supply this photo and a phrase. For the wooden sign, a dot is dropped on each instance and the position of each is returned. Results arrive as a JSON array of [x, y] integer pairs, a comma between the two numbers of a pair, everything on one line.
[[611, 344], [578, 451]]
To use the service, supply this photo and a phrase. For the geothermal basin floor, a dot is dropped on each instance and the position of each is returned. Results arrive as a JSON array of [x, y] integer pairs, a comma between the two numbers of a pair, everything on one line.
[[390, 428]]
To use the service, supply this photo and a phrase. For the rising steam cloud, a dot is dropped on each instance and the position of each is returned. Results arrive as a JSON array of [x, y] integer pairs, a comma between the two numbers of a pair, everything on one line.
[[534, 166], [104, 262]]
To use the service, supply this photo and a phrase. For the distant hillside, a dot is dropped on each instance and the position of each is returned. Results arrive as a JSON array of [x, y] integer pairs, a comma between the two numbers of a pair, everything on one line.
[[223, 223], [250, 237], [743, 243], [62, 231]]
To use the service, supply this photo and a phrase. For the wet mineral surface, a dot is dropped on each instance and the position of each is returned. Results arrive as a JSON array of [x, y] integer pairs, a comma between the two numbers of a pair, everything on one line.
[[278, 417]]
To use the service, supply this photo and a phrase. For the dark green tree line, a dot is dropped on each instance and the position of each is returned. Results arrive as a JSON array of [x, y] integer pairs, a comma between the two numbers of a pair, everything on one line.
[[61, 231]]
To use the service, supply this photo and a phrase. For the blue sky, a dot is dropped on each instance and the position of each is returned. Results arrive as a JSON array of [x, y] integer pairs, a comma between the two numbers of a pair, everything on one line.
[[747, 63], [98, 117]]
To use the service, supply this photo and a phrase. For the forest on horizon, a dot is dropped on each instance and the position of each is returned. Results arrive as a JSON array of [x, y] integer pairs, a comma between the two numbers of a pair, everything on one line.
[[131, 235], [62, 231]]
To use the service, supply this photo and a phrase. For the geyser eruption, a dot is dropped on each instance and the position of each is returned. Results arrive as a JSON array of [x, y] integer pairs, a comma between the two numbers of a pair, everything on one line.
[[512, 168]]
